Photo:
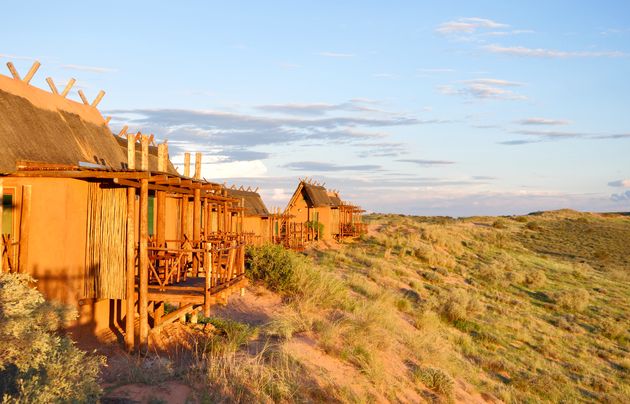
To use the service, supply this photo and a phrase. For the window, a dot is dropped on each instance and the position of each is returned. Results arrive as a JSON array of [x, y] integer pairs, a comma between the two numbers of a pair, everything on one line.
[[151, 215], [316, 217], [7, 214]]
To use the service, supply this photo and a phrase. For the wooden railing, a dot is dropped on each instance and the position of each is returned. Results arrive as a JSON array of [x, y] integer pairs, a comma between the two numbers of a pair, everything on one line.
[[352, 230], [220, 258]]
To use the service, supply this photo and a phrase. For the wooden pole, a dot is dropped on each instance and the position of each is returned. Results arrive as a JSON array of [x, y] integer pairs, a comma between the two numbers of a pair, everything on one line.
[[51, 84], [145, 153], [186, 164], [143, 284], [131, 152], [131, 269], [196, 226], [161, 153], [197, 212], [197, 166], [98, 98], [161, 200], [83, 97], [13, 71], [143, 288], [66, 90], [207, 266], [25, 221], [184, 216], [29, 76], [226, 222]]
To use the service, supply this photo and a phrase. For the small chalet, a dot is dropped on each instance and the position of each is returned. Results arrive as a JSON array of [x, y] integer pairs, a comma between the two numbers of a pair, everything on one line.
[[315, 213], [256, 223]]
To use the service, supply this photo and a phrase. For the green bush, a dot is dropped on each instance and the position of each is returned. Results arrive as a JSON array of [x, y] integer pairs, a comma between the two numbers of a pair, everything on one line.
[[317, 226], [273, 265], [36, 363]]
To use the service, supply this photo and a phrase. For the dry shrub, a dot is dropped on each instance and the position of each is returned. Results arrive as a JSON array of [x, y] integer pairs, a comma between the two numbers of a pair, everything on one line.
[[515, 277], [435, 379], [573, 300], [535, 278], [459, 304], [581, 269], [446, 237], [534, 226], [36, 363], [500, 224], [491, 274], [614, 329], [434, 257]]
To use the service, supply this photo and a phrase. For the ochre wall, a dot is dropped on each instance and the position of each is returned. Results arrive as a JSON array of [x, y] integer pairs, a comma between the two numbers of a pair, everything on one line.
[[302, 213], [299, 210], [56, 245]]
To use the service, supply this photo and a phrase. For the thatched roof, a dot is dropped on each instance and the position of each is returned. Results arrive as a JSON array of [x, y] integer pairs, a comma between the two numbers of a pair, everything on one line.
[[315, 196], [254, 205], [335, 201], [39, 126]]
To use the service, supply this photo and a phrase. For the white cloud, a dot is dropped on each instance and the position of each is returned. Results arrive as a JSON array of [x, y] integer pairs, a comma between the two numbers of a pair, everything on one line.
[[484, 89], [93, 69], [15, 57], [495, 82], [384, 75], [542, 121], [548, 53], [620, 183], [336, 54], [468, 26], [280, 194], [234, 169], [435, 71]]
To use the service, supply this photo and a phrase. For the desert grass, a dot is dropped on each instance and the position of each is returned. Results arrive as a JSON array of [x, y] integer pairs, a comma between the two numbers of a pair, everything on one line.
[[437, 309]]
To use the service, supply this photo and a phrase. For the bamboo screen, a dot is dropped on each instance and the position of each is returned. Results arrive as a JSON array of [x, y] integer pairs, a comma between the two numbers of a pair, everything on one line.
[[106, 241]]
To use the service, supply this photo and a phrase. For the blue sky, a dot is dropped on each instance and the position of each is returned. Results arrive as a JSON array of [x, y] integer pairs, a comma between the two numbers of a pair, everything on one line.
[[410, 107]]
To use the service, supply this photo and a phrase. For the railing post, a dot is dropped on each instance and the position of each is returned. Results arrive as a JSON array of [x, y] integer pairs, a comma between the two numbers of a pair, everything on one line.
[[207, 266], [143, 286], [131, 270]]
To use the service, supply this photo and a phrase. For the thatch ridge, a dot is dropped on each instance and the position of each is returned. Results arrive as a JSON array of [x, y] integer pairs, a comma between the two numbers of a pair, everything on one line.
[[254, 205], [316, 196]]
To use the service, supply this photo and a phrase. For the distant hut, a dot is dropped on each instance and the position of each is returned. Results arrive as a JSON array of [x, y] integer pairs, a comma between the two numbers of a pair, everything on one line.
[[311, 209], [105, 223], [319, 214], [256, 225]]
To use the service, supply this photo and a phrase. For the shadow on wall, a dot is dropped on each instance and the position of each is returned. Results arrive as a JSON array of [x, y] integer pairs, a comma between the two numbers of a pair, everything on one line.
[[98, 319]]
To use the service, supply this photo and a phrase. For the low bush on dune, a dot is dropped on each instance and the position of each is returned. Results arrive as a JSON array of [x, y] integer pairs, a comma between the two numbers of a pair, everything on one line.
[[274, 266], [435, 379], [36, 363], [572, 300], [293, 275]]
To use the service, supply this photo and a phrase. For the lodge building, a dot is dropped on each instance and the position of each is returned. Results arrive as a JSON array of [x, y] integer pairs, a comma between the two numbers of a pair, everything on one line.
[[105, 223]]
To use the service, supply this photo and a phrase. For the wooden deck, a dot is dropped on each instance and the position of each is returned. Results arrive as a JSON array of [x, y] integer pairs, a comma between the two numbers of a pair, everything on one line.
[[191, 291]]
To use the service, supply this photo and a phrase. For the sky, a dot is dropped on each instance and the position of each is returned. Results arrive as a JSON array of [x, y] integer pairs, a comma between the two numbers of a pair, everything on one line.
[[458, 108]]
